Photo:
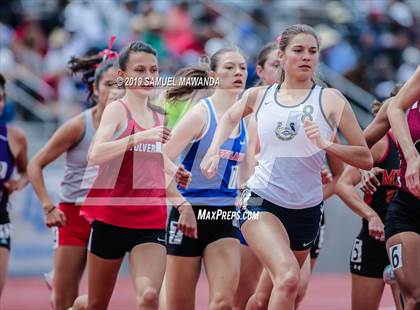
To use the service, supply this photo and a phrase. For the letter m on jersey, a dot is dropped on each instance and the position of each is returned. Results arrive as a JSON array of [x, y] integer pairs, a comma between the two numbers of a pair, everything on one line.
[[390, 179]]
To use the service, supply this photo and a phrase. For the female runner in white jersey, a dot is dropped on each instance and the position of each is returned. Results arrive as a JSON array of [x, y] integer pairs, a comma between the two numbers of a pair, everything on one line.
[[268, 70], [296, 121]]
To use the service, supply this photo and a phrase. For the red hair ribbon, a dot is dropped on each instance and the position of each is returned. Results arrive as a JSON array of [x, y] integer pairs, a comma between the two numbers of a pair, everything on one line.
[[108, 53]]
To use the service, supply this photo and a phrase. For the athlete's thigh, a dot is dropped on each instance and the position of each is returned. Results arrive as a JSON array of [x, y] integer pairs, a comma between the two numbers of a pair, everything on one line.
[[102, 275], [143, 273], [222, 263], [268, 239], [4, 262], [366, 292], [404, 255], [301, 256], [182, 273], [5, 234], [69, 264]]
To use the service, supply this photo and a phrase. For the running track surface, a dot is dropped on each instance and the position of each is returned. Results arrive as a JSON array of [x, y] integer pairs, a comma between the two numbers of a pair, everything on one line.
[[326, 292]]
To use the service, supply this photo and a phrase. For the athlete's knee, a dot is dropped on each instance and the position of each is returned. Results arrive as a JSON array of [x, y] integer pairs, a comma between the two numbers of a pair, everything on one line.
[[221, 301], [149, 298], [288, 282]]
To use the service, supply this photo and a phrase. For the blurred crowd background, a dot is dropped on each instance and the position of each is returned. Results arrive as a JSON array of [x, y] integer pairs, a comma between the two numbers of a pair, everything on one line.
[[372, 43], [367, 46]]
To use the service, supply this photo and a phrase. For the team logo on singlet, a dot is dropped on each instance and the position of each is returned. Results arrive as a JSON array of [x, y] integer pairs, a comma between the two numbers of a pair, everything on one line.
[[287, 131]]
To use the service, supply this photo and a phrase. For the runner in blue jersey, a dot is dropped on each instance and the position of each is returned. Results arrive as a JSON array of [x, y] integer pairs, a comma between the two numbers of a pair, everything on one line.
[[213, 201]]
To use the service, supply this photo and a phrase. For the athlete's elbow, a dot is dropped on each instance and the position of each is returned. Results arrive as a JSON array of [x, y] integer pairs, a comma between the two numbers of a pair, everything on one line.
[[31, 169], [93, 158], [393, 108], [231, 118], [366, 161]]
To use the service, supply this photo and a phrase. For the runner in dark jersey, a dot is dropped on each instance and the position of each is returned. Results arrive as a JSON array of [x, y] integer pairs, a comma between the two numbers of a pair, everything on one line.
[[369, 258], [402, 225], [13, 154]]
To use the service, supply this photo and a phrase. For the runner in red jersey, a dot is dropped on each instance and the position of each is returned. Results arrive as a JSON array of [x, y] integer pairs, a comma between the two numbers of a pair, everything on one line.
[[127, 202], [402, 225], [129, 199]]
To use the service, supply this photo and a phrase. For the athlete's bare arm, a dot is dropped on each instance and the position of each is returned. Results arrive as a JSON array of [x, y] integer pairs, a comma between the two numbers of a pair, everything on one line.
[[247, 166], [406, 97], [19, 148], [379, 126], [247, 104], [104, 148], [336, 166], [338, 111], [345, 189], [190, 127], [62, 140]]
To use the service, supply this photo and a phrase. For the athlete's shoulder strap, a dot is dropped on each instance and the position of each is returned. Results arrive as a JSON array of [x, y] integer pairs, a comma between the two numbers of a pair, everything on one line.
[[265, 96], [127, 110], [212, 112]]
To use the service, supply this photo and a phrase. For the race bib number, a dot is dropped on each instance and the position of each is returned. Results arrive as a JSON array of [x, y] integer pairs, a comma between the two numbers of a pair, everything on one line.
[[175, 235], [395, 256], [356, 254]]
